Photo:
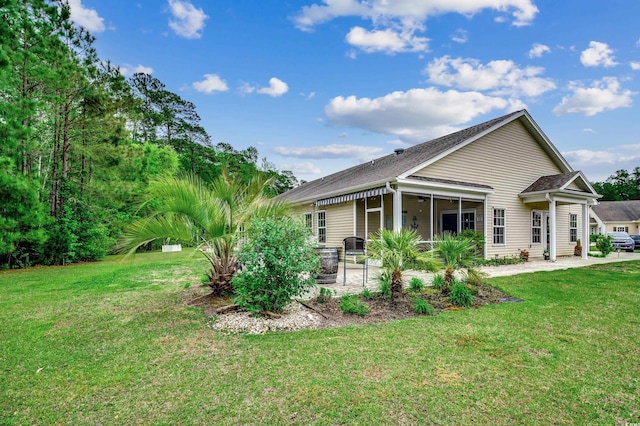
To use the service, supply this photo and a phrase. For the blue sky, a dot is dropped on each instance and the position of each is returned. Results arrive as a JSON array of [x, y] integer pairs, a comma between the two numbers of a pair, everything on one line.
[[318, 86]]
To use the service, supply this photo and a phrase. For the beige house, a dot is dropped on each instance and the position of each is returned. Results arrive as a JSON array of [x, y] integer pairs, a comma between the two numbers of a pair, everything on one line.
[[503, 178], [611, 216]]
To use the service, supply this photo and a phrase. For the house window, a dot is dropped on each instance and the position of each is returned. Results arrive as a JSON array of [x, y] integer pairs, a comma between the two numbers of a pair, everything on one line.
[[621, 229], [322, 227], [499, 225], [469, 221], [573, 228], [308, 220], [536, 227]]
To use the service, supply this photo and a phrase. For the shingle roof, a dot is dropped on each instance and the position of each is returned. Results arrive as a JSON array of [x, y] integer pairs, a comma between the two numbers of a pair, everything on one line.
[[551, 182], [388, 167], [618, 211]]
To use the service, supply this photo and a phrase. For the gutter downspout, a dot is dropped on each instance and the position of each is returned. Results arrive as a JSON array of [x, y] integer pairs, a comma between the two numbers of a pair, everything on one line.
[[397, 207]]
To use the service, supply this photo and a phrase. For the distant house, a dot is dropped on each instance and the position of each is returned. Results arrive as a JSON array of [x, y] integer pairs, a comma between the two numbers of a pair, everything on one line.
[[610, 216], [503, 178]]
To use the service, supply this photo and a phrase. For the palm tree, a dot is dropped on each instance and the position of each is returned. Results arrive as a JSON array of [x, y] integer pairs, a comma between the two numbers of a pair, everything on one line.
[[456, 253], [398, 251], [187, 210]]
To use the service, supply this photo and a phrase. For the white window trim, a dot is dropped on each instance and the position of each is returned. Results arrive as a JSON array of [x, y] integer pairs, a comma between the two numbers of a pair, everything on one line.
[[304, 216], [493, 216], [571, 228], [541, 213], [620, 229], [324, 227]]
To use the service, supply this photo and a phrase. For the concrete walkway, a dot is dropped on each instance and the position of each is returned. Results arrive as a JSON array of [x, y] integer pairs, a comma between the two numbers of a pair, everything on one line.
[[354, 284]]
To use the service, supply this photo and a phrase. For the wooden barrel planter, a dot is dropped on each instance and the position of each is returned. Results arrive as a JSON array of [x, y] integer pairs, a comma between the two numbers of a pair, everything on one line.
[[329, 265]]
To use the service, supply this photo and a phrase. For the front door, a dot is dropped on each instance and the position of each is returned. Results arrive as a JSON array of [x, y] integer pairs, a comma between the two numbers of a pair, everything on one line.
[[373, 222], [450, 223]]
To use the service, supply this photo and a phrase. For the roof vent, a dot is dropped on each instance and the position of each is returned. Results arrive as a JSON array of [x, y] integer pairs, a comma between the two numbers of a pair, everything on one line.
[[398, 151]]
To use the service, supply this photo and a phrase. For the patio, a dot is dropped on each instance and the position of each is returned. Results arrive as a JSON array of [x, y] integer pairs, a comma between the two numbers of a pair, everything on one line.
[[354, 282]]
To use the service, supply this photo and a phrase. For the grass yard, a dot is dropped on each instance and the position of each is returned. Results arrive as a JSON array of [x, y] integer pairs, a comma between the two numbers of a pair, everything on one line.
[[115, 343]]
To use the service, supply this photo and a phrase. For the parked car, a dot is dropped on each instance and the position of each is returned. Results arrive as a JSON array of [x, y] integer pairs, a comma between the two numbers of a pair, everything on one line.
[[622, 241], [636, 239]]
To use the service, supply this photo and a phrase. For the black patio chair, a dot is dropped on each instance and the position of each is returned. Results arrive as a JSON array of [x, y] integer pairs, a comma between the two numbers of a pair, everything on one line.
[[354, 246]]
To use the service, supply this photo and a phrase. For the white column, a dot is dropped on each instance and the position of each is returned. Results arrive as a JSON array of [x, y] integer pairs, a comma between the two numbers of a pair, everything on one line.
[[381, 213], [486, 226], [585, 231], [366, 220], [552, 230], [355, 217], [397, 211], [459, 215], [432, 207]]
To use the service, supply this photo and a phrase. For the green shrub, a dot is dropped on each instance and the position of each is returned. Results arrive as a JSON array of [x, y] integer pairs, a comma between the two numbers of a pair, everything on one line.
[[438, 281], [366, 293], [385, 286], [350, 304], [324, 295], [604, 244], [477, 239], [422, 307], [506, 260], [476, 277], [460, 295], [416, 284], [270, 278]]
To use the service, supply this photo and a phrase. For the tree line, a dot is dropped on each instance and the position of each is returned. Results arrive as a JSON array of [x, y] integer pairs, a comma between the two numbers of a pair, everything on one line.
[[80, 143], [620, 186]]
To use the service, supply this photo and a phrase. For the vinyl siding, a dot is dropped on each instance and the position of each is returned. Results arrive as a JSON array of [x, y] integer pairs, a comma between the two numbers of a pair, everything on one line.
[[634, 228], [509, 160], [573, 186], [339, 223]]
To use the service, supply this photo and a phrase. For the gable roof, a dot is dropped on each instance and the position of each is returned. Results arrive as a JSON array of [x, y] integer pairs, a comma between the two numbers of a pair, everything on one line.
[[618, 211], [551, 182], [403, 163]]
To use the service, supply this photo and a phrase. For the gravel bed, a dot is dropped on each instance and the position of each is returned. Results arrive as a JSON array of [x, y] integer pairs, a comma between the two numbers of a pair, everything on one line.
[[294, 317]]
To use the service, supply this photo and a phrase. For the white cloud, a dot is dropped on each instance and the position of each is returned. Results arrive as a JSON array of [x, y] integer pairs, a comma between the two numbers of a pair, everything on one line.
[[388, 41], [603, 95], [415, 115], [537, 50], [127, 69], [303, 168], [588, 130], [501, 77], [276, 88], [87, 18], [189, 21], [460, 36], [246, 89], [598, 165], [408, 13], [598, 54], [635, 66], [340, 151], [211, 83]]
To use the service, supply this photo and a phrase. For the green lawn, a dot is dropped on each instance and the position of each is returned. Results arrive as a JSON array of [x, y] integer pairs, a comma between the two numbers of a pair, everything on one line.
[[114, 343]]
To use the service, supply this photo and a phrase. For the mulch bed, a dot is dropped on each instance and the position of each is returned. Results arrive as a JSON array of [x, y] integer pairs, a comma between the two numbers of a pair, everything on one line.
[[381, 309]]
